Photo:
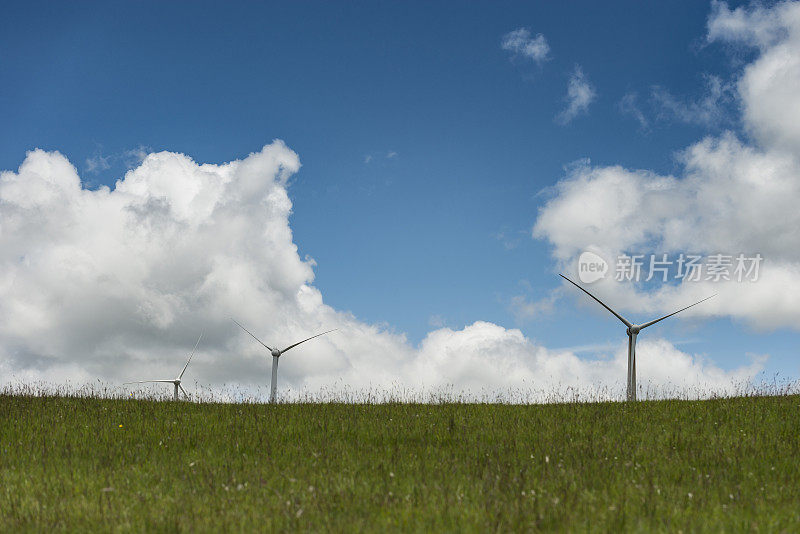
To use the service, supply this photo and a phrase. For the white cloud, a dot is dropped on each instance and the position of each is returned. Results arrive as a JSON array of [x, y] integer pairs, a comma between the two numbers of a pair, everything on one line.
[[525, 309], [709, 110], [486, 357], [130, 158], [116, 284], [712, 109], [628, 106], [757, 25], [436, 321], [580, 94], [97, 163], [510, 238], [520, 43], [731, 196], [768, 86], [135, 156]]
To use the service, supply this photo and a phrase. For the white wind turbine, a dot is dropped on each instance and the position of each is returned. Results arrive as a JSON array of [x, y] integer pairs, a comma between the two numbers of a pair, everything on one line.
[[276, 353], [175, 381], [632, 331]]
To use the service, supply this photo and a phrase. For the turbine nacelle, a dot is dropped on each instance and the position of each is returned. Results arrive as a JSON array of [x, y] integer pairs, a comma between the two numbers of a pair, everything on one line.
[[275, 352], [632, 331], [175, 381]]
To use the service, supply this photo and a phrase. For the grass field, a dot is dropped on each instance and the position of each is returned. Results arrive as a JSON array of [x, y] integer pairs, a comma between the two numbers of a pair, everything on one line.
[[131, 465]]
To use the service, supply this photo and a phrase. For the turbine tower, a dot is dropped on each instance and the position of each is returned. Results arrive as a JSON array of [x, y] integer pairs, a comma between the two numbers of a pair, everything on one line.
[[632, 331], [175, 381], [276, 353]]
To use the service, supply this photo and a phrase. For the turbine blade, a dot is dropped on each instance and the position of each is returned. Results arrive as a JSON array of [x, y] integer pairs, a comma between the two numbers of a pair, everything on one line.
[[147, 382], [184, 391], [190, 356], [618, 316], [645, 325], [312, 337], [248, 331]]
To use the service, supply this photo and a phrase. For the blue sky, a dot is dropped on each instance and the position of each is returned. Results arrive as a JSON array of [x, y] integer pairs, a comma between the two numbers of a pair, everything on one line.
[[427, 149]]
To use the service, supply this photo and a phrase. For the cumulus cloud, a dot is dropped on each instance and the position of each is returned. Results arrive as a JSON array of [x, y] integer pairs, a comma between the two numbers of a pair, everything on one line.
[[520, 43], [487, 357], [129, 158], [580, 94], [135, 156], [768, 85], [757, 25], [117, 283], [731, 196]]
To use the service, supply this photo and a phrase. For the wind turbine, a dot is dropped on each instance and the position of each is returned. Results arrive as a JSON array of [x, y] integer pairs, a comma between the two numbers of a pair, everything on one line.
[[632, 331], [175, 381], [276, 353]]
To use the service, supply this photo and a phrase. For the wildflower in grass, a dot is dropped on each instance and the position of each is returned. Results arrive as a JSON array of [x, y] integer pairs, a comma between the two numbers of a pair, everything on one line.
[[120, 426]]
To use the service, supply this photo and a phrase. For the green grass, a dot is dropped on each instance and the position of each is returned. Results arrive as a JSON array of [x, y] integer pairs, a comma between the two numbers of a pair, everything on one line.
[[726, 465]]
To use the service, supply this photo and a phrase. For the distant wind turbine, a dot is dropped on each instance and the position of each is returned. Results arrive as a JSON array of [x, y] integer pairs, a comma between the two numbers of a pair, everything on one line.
[[175, 381], [632, 331], [276, 353]]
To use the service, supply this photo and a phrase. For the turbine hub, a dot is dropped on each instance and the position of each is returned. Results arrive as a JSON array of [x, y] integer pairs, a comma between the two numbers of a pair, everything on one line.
[[276, 352], [633, 330]]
